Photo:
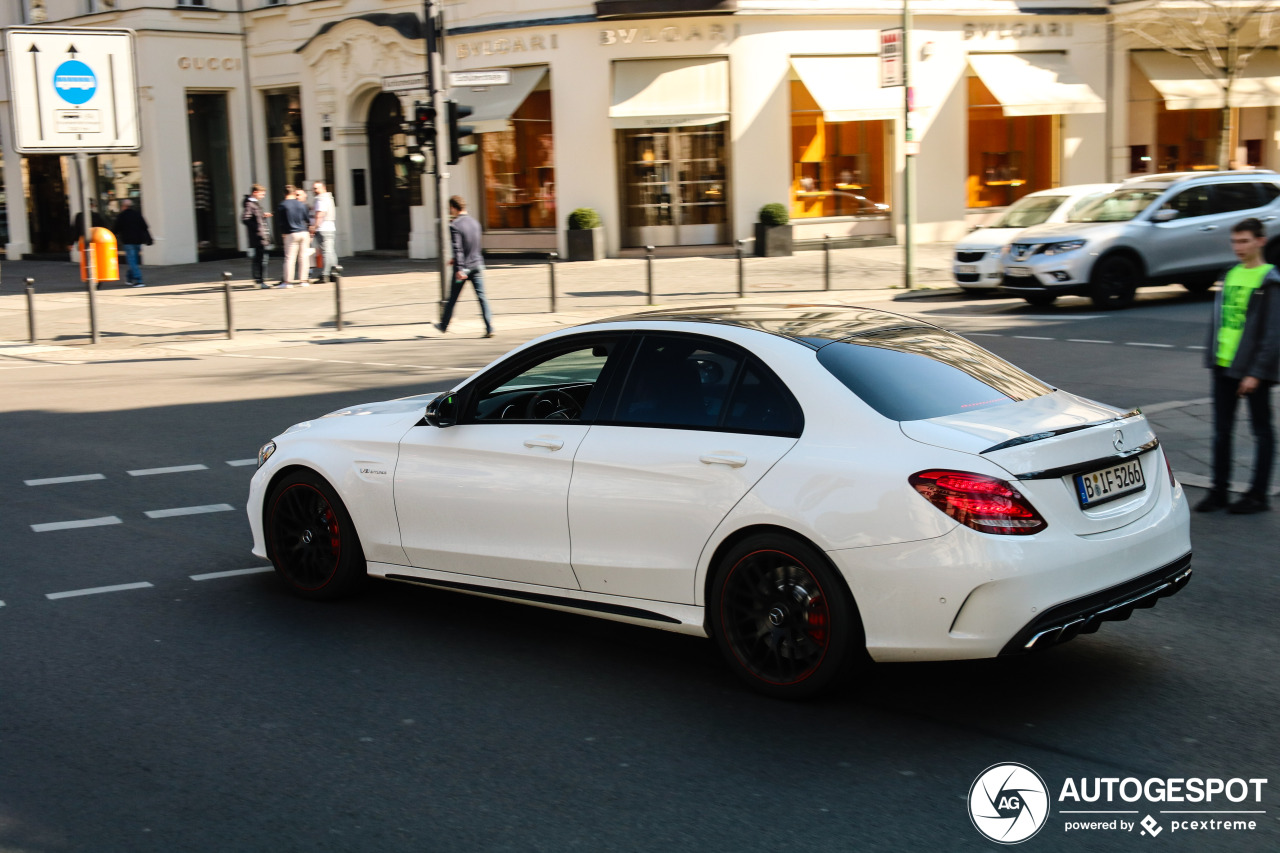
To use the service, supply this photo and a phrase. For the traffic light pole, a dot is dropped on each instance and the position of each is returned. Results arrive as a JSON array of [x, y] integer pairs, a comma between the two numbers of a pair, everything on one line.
[[440, 158]]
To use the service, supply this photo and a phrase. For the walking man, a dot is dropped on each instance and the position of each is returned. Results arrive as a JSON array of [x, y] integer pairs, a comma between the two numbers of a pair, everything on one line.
[[326, 229], [133, 234], [255, 223], [294, 222], [468, 263], [1243, 351]]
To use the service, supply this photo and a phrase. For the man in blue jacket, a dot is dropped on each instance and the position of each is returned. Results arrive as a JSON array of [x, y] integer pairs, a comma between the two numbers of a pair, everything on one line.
[[1243, 351], [468, 264]]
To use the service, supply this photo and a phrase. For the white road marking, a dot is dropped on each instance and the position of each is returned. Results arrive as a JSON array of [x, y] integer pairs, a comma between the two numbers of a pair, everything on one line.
[[231, 574], [1087, 341], [74, 478], [1034, 338], [1158, 346], [53, 596], [1195, 347], [981, 335], [240, 463], [174, 469], [188, 510], [72, 525]]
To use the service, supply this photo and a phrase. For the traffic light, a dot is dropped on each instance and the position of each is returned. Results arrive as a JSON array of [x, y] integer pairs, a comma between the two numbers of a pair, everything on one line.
[[458, 150], [424, 122]]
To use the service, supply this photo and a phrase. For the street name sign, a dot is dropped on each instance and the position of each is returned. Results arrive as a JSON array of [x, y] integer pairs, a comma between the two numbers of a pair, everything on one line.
[[492, 77], [72, 90], [404, 82]]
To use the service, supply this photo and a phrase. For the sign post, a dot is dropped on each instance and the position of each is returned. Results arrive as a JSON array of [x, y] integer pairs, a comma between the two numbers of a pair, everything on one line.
[[74, 91], [895, 70]]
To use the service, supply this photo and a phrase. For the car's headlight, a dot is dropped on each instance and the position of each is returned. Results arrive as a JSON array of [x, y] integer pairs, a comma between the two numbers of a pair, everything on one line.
[[1059, 248], [264, 452]]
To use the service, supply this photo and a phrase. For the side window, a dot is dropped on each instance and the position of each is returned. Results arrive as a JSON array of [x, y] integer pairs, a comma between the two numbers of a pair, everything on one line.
[[558, 386], [1193, 201], [761, 403], [678, 381], [1268, 191], [1235, 196]]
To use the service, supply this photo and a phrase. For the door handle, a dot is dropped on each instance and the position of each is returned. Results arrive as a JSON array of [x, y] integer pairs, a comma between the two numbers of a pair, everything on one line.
[[548, 443], [730, 459], [1209, 228], [1268, 219]]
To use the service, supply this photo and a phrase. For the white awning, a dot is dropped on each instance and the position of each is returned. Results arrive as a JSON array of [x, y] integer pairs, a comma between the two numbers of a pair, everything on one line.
[[493, 105], [670, 92], [1035, 84], [848, 87], [1184, 87]]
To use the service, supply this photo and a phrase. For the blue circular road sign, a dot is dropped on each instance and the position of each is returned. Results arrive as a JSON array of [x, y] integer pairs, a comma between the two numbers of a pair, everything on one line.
[[75, 82]]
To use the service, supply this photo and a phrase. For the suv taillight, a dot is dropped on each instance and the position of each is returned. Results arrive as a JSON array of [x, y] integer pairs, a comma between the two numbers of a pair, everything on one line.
[[984, 503]]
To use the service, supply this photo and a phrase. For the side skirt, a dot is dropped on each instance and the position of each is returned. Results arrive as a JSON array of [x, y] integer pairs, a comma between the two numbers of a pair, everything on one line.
[[680, 618]]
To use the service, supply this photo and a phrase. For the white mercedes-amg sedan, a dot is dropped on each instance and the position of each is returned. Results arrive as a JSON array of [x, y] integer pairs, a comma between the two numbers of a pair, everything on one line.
[[811, 486]]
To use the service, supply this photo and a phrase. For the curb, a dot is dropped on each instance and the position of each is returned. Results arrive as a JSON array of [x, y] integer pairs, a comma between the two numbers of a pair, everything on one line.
[[927, 293]]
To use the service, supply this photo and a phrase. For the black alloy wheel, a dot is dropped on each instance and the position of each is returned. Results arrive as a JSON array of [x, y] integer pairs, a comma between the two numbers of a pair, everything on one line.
[[311, 540], [783, 619], [1114, 282]]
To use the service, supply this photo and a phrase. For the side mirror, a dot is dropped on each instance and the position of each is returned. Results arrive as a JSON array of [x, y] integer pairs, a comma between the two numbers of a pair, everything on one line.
[[1165, 215], [442, 411]]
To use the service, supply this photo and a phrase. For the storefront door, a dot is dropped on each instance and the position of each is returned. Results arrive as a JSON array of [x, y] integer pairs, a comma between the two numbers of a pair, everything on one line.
[[48, 217], [388, 174], [674, 190], [214, 198]]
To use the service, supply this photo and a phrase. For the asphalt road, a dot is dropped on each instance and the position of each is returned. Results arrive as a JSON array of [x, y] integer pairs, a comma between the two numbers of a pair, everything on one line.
[[221, 713]]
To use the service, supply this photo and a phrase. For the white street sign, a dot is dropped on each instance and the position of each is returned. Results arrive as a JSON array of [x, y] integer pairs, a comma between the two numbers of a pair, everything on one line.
[[404, 82], [72, 90], [493, 77], [891, 68]]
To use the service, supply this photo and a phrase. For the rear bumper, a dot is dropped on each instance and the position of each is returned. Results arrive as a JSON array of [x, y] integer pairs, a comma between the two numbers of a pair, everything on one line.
[[1085, 615]]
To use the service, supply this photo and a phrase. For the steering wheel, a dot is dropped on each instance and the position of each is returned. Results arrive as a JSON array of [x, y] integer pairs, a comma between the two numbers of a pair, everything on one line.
[[563, 406]]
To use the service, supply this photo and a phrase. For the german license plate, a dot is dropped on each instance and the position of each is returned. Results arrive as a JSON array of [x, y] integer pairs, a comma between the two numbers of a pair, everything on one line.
[[1018, 272], [963, 268], [1107, 484]]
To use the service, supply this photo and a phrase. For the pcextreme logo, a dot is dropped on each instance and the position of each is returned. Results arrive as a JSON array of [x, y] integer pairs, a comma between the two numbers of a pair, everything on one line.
[[1009, 803]]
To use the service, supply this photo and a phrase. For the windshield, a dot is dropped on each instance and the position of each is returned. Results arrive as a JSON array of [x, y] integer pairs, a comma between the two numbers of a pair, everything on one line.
[[1029, 210], [1119, 206]]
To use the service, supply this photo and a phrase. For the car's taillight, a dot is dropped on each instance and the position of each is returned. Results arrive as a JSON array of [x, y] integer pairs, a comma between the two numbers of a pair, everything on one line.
[[984, 503], [1168, 466]]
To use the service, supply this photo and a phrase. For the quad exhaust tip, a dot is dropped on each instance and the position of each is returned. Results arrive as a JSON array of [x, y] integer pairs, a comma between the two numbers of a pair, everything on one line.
[[1090, 623]]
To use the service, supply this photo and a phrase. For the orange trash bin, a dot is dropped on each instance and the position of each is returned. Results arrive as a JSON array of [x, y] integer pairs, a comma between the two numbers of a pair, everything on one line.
[[106, 256]]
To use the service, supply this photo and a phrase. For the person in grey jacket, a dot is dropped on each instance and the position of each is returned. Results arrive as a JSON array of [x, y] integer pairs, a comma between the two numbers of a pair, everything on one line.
[[1243, 351], [468, 264]]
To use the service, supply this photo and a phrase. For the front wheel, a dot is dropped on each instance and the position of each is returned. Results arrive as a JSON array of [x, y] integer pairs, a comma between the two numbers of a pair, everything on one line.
[[1114, 282], [783, 618], [311, 540], [1040, 300]]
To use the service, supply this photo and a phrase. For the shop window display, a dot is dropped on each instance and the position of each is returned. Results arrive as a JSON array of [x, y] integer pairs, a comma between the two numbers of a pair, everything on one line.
[[519, 171], [1187, 140], [838, 168], [1009, 156]]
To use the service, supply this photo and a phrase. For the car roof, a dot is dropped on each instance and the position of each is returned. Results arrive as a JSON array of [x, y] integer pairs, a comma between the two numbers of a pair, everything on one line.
[[1166, 179], [812, 325], [1073, 190]]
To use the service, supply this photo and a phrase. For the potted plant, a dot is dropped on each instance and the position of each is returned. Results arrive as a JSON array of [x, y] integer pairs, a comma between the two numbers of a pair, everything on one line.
[[586, 235], [773, 232]]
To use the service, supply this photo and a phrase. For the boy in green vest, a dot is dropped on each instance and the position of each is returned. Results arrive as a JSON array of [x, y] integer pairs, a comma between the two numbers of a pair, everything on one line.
[[1243, 352]]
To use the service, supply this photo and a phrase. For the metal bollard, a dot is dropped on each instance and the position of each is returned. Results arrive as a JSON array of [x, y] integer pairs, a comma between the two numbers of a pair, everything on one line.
[[226, 295], [742, 273], [551, 272], [826, 261], [337, 296], [31, 308], [648, 271]]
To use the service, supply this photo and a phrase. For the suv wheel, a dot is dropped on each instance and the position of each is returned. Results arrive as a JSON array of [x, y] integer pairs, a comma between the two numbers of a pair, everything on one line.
[[1114, 282], [1040, 299]]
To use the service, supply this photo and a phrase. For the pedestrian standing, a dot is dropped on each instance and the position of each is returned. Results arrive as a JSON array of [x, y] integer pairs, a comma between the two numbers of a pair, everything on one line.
[[133, 234], [326, 229], [1243, 351], [305, 253], [293, 220], [468, 263], [255, 224]]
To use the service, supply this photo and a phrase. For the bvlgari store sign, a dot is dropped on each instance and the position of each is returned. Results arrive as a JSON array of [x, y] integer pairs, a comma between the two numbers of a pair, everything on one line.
[[653, 35], [1021, 29]]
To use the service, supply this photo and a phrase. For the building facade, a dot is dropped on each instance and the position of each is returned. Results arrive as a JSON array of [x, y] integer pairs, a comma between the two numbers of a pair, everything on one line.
[[676, 120]]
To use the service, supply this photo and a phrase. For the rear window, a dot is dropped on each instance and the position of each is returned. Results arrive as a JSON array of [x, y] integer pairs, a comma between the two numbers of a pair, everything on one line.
[[914, 374]]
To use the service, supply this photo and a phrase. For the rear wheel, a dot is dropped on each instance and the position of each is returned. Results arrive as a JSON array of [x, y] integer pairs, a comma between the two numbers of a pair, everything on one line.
[[311, 540], [1199, 285], [1040, 299], [1114, 282], [783, 618]]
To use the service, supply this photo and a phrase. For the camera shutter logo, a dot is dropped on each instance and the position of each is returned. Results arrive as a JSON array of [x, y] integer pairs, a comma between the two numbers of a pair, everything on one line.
[[1008, 803]]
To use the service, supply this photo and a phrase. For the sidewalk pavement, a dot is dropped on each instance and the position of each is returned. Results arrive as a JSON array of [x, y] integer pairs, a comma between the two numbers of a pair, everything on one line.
[[182, 311]]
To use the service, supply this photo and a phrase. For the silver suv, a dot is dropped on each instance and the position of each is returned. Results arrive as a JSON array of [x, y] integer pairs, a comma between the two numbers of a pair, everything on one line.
[[1155, 229]]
